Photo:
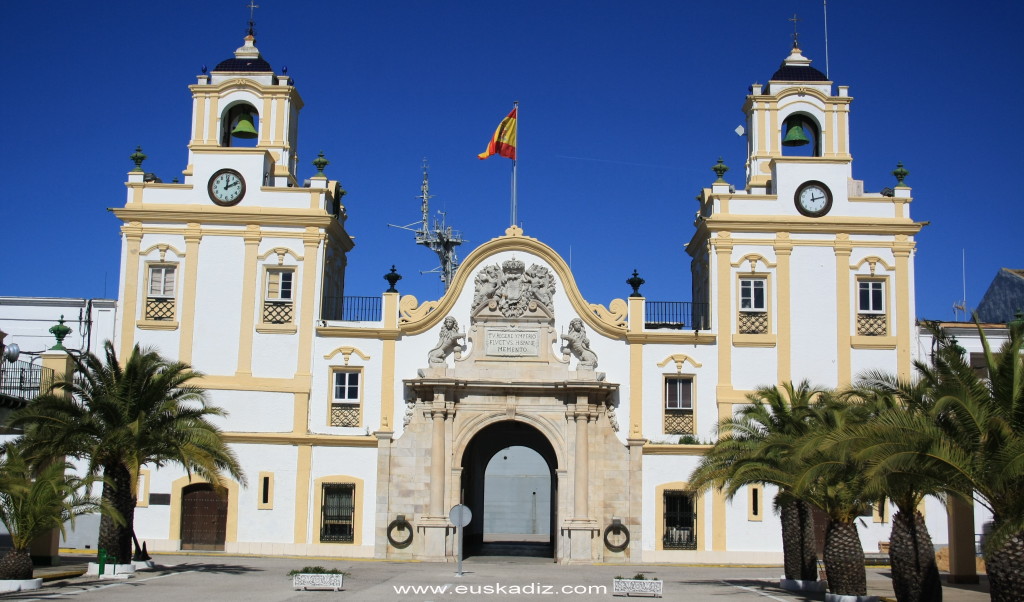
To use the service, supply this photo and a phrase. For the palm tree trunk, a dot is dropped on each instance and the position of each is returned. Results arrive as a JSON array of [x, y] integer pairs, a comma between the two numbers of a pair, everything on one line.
[[117, 539], [1005, 566], [844, 560], [16, 564], [799, 558], [915, 576]]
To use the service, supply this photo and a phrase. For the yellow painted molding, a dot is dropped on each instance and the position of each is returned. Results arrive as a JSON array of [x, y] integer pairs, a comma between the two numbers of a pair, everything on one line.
[[280, 252], [659, 512], [755, 503], [225, 215], [303, 469], [512, 241], [298, 384], [819, 225], [679, 359], [351, 332], [269, 486], [753, 259], [671, 449], [871, 260], [358, 501], [302, 439], [231, 529], [142, 493], [636, 390], [162, 248], [874, 342], [754, 340], [251, 238], [157, 324], [387, 387], [347, 352], [671, 338], [264, 328]]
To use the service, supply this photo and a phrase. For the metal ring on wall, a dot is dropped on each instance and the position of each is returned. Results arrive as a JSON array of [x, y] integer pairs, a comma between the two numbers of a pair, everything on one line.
[[400, 522], [616, 527]]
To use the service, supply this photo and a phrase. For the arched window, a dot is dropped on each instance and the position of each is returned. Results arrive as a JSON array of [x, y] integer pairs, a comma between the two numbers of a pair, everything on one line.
[[801, 136], [240, 128]]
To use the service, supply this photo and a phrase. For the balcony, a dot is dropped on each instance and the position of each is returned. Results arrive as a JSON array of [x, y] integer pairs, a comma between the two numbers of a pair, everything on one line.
[[351, 309], [677, 315], [20, 382]]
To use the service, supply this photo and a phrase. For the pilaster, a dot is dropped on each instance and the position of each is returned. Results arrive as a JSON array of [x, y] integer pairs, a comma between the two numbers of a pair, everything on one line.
[[843, 249]]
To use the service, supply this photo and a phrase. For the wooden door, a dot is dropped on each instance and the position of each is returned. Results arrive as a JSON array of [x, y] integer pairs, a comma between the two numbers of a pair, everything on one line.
[[204, 518]]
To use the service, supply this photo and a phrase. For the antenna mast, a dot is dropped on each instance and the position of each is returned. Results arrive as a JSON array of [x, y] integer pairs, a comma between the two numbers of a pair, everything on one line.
[[439, 238], [825, 6]]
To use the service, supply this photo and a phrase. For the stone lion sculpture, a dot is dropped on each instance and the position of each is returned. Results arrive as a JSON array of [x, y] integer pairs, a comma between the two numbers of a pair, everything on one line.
[[577, 343], [447, 342]]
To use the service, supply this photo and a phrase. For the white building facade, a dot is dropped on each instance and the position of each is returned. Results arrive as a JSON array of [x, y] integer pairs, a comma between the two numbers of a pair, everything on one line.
[[360, 422]]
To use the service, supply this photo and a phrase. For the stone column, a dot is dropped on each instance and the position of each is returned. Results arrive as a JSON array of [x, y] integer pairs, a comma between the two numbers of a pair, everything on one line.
[[434, 525], [579, 531], [385, 439]]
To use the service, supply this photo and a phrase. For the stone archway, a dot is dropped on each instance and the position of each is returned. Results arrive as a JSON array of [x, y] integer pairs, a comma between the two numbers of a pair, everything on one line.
[[483, 449]]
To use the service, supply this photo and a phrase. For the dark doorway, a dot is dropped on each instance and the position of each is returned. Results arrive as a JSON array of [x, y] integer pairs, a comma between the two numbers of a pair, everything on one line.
[[509, 483], [204, 518]]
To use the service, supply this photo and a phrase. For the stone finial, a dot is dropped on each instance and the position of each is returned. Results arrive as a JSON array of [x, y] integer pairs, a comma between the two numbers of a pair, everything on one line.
[[320, 163], [720, 168], [138, 157], [59, 330], [392, 277], [636, 282], [901, 173]]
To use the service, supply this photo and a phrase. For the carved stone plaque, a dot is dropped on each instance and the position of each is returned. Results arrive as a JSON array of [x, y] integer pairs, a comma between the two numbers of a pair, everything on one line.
[[513, 343]]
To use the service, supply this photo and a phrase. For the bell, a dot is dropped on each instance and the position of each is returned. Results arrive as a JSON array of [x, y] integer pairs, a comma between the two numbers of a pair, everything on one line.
[[244, 127], [795, 134]]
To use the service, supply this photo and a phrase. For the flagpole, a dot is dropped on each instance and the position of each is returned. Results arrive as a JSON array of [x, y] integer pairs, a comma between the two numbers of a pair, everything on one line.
[[515, 106]]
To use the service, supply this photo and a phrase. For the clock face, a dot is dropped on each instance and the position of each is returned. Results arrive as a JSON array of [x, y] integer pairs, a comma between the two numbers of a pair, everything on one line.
[[813, 199], [227, 187]]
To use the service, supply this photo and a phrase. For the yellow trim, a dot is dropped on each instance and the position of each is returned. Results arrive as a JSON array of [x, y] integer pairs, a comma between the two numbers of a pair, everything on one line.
[[754, 340], [249, 383], [872, 259], [193, 236], [147, 272], [247, 312], [514, 241], [813, 225], [305, 305], [133, 240], [659, 512], [387, 368], [671, 338], [308, 439], [636, 390], [142, 493], [303, 468], [783, 306], [864, 342], [723, 250], [332, 370], [231, 530], [287, 328], [679, 359], [753, 259], [880, 512], [844, 300], [300, 414], [886, 293], [672, 449], [156, 325], [755, 503], [347, 352], [357, 511], [280, 252], [269, 504], [228, 215], [902, 250], [718, 499]]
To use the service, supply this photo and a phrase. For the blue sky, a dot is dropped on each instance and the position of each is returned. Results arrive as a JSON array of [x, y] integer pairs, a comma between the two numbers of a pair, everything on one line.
[[624, 107]]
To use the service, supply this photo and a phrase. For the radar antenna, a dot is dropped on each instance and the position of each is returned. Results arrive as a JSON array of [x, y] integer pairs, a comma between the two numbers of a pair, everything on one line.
[[438, 237]]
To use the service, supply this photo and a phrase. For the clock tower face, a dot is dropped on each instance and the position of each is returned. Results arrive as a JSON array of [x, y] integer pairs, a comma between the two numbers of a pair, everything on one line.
[[227, 187], [813, 199]]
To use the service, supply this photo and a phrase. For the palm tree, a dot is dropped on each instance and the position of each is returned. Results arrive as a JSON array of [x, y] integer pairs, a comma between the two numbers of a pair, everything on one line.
[[756, 446], [973, 436], [123, 417], [831, 477], [915, 575], [34, 502]]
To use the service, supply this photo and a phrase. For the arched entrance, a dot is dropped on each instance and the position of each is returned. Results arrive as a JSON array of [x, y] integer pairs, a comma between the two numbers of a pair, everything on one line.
[[509, 482], [204, 517]]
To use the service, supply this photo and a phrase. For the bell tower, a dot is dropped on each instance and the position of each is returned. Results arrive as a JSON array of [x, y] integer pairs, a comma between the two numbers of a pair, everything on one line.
[[243, 104], [795, 120]]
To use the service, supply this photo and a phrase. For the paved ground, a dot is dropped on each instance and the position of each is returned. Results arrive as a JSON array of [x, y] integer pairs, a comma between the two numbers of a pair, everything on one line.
[[195, 578]]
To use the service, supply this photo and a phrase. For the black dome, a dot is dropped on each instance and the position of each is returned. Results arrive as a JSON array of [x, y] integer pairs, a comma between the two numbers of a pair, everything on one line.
[[798, 73], [246, 64]]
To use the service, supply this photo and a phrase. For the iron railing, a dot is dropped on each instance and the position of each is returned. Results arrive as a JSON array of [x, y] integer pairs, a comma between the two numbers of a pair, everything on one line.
[[20, 382], [351, 309], [678, 315]]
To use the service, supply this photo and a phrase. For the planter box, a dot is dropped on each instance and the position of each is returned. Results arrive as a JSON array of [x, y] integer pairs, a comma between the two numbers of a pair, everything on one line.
[[19, 585], [306, 581], [640, 587], [846, 598], [798, 585]]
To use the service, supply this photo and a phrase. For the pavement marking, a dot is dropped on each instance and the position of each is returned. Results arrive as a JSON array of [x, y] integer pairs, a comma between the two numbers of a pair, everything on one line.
[[118, 584], [750, 589]]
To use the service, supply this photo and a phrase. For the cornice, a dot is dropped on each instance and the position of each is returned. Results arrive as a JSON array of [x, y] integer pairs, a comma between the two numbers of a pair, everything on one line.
[[292, 439]]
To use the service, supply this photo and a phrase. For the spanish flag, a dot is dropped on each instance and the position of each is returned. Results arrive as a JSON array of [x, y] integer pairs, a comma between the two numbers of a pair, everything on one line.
[[504, 141]]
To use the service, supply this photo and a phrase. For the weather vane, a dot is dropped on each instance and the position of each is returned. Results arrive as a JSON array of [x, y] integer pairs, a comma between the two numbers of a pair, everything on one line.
[[796, 34], [252, 16]]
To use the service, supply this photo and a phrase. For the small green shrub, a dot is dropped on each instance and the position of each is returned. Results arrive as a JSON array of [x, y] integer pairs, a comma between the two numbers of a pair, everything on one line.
[[319, 570], [689, 440], [640, 577]]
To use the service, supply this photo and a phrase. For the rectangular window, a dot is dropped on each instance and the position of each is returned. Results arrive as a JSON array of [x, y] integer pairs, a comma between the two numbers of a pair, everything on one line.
[[871, 297], [279, 285], [265, 499], [160, 293], [679, 405], [756, 510], [336, 513], [752, 294], [345, 398], [161, 281], [279, 298], [680, 522]]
